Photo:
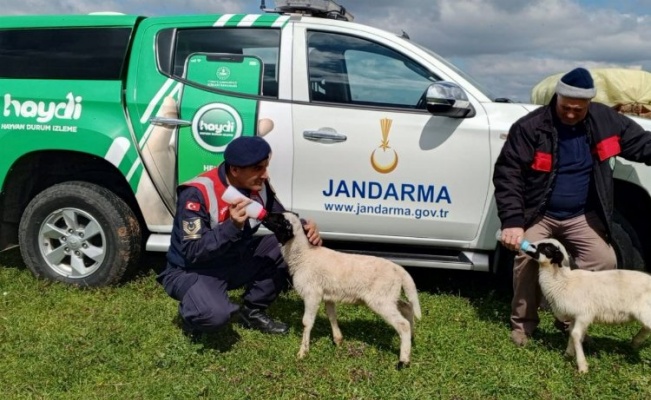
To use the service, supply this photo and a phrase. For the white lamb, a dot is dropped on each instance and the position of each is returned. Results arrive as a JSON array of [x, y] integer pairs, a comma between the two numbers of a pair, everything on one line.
[[320, 274], [583, 297]]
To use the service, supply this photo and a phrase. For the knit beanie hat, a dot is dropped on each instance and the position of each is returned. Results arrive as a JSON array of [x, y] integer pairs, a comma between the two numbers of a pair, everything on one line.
[[577, 84]]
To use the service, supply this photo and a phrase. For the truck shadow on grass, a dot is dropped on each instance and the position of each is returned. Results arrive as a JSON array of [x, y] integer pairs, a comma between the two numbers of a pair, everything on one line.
[[354, 326], [487, 293], [597, 347], [484, 292], [12, 259]]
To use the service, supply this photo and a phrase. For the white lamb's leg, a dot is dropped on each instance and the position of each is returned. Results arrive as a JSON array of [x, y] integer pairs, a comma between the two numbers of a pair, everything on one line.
[[337, 337], [640, 337], [645, 319], [569, 350], [407, 311], [311, 308], [577, 330], [389, 311]]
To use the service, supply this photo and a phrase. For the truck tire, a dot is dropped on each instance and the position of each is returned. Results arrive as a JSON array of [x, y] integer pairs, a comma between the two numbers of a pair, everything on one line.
[[627, 244], [79, 233]]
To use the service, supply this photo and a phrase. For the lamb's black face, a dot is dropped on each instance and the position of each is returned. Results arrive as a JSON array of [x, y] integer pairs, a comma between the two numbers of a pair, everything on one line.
[[550, 251], [280, 226]]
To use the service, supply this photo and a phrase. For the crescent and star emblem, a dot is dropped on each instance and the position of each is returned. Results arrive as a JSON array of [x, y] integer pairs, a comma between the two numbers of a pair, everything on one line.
[[192, 229], [384, 159]]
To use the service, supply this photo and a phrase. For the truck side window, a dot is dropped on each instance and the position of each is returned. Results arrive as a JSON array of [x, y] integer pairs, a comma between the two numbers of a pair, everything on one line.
[[261, 42], [63, 53], [351, 70]]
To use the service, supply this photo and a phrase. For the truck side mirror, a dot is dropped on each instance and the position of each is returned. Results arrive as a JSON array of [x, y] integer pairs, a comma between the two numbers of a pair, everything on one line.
[[447, 99]]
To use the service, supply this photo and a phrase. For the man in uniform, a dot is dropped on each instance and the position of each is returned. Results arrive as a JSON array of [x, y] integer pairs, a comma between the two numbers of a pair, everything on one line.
[[213, 247]]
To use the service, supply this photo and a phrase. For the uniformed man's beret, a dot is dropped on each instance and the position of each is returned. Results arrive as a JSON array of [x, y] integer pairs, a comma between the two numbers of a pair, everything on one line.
[[245, 151]]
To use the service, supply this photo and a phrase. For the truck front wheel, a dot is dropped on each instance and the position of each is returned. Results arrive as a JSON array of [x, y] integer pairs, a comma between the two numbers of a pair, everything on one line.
[[79, 233]]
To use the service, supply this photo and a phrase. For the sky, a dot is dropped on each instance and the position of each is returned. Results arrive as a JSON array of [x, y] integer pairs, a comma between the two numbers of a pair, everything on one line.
[[506, 45]]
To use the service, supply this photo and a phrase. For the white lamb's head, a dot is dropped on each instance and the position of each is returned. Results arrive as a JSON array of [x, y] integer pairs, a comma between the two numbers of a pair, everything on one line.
[[550, 252], [284, 225]]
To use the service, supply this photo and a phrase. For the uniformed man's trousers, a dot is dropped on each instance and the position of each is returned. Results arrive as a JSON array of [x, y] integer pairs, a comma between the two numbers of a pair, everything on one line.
[[204, 304]]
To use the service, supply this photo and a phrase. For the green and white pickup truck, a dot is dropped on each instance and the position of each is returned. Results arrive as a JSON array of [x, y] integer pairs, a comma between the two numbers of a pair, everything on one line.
[[386, 145]]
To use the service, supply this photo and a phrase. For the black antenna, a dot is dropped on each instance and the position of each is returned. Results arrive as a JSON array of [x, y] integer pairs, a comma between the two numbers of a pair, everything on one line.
[[262, 5]]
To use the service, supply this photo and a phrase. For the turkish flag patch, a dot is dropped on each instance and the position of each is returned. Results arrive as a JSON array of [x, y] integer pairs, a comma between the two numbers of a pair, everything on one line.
[[192, 206]]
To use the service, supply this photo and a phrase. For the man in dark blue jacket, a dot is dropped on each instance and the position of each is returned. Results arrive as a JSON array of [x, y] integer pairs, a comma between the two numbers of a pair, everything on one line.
[[553, 178], [213, 248]]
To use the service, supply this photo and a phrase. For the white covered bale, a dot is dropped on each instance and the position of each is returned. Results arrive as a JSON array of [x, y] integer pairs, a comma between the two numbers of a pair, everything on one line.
[[626, 90]]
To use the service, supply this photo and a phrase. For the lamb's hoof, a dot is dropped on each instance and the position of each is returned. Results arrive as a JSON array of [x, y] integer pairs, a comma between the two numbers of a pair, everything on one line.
[[583, 370], [402, 365]]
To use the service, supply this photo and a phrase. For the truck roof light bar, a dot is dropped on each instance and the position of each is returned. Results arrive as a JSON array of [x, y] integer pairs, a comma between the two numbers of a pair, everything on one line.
[[315, 8]]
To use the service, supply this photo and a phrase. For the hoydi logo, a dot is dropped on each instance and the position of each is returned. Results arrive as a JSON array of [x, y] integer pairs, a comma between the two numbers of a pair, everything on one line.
[[44, 112], [384, 159], [216, 129], [215, 125]]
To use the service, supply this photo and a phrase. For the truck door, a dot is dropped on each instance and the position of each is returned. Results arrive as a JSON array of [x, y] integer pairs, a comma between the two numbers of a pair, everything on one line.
[[381, 165], [215, 79]]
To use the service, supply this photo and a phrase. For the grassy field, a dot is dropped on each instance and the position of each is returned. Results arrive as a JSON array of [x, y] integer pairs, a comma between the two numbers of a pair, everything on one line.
[[59, 342]]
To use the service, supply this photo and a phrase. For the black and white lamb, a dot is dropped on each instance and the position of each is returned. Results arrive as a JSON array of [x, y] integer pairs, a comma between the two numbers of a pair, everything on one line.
[[583, 297]]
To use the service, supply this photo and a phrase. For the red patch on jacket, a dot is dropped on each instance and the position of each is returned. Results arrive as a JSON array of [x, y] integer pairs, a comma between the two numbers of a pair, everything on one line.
[[608, 147], [542, 162], [192, 206]]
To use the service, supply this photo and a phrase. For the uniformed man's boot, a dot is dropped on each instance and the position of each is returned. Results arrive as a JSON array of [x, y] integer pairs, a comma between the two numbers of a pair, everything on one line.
[[252, 318], [189, 331]]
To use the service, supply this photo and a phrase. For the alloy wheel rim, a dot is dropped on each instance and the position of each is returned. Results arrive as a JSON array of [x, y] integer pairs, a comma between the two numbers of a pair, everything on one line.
[[72, 243]]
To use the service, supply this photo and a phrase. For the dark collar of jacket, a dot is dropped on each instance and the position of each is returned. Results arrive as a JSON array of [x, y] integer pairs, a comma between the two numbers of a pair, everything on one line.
[[548, 118], [221, 172]]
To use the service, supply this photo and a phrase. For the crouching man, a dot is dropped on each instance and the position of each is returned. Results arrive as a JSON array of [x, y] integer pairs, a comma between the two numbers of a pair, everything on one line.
[[553, 178], [213, 247]]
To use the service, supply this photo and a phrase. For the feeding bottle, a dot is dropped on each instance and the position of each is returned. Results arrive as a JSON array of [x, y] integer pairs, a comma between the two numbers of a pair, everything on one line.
[[253, 209], [524, 245]]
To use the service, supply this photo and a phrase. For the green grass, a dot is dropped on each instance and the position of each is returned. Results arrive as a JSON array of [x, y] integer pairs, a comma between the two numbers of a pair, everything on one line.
[[60, 342]]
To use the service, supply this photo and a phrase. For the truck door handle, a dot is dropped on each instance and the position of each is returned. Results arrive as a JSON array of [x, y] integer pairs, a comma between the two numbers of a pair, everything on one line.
[[325, 136], [169, 121]]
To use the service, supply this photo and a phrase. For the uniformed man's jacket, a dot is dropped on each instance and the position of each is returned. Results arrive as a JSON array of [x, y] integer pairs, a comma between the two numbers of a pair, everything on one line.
[[525, 169], [203, 235]]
